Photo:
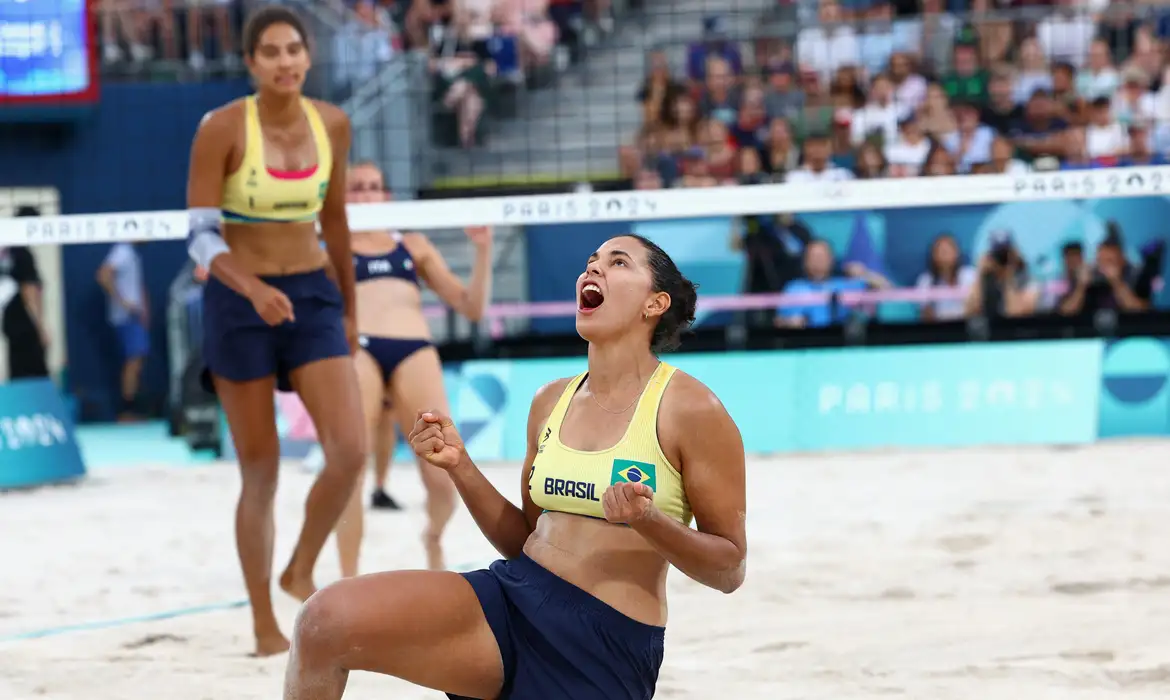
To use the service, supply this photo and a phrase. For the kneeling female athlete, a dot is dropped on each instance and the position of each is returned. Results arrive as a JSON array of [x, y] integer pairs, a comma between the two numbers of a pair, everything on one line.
[[618, 459]]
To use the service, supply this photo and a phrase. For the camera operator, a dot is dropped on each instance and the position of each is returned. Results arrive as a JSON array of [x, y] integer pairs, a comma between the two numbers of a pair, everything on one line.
[[1111, 283], [1003, 288]]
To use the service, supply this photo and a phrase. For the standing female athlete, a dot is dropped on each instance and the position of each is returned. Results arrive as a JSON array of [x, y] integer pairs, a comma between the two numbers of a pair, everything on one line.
[[263, 170], [618, 459], [397, 360]]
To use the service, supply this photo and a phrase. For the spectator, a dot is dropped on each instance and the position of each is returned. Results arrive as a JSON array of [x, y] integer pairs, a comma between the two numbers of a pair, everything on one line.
[[659, 90], [461, 69], [720, 98], [529, 23], [1076, 151], [780, 155], [783, 98], [909, 86], [907, 152], [816, 165], [994, 32], [871, 164], [819, 278], [841, 140], [22, 317], [682, 122], [1033, 73], [120, 275], [719, 151], [715, 44], [1003, 286], [774, 248], [695, 170], [1066, 102], [1040, 133], [1146, 55], [750, 128], [1108, 285], [828, 46], [1133, 102], [1099, 78], [1066, 34], [137, 22], [930, 35], [937, 118], [1003, 159], [1072, 259], [880, 113], [945, 270], [361, 47], [751, 169], [221, 19], [970, 143], [1106, 140], [818, 105], [1140, 152], [1002, 112], [939, 162], [967, 80], [876, 42]]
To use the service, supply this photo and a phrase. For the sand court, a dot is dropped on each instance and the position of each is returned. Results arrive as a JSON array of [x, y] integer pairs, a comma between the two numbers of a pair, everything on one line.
[[1020, 574]]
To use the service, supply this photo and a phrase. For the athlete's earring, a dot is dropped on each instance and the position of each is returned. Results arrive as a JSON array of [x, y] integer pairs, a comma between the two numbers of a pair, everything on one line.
[[645, 316]]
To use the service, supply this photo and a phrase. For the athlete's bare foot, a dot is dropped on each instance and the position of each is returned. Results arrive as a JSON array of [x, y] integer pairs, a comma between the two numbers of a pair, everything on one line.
[[270, 644], [297, 585], [434, 549]]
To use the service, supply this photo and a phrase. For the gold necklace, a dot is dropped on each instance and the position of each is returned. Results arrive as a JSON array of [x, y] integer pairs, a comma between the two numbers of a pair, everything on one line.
[[631, 404]]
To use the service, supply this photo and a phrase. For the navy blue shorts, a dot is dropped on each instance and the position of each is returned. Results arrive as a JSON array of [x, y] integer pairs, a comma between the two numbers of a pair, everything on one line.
[[239, 346], [560, 643], [134, 339], [390, 352]]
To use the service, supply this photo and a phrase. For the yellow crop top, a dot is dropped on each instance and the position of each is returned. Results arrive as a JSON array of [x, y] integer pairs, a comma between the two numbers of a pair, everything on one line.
[[256, 194], [565, 480]]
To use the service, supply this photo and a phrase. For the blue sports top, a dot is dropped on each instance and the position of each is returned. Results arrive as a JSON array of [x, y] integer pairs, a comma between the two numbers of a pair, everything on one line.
[[396, 264]]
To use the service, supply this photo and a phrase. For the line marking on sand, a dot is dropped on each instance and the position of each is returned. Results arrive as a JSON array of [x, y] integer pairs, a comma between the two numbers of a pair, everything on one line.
[[122, 621], [152, 617]]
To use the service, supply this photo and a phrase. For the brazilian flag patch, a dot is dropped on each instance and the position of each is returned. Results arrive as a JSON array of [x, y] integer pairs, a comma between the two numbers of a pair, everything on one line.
[[627, 471]]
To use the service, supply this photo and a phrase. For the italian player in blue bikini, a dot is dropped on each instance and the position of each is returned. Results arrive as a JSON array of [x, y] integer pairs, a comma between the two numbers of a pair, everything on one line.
[[620, 458], [264, 170]]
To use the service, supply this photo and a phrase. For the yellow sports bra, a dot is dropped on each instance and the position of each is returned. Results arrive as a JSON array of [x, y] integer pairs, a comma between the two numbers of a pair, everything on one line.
[[565, 480], [257, 194]]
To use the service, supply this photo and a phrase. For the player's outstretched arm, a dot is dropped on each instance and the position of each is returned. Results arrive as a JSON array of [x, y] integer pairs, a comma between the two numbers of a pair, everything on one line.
[[712, 465]]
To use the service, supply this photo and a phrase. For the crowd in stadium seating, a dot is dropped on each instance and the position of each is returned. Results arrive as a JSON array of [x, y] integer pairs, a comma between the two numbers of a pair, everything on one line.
[[873, 88], [785, 255]]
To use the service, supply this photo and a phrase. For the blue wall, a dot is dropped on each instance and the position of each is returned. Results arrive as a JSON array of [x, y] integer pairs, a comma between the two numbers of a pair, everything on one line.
[[130, 156], [942, 396]]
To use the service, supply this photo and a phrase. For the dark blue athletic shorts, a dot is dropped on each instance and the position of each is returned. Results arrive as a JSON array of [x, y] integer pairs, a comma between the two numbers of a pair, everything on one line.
[[239, 346], [560, 643]]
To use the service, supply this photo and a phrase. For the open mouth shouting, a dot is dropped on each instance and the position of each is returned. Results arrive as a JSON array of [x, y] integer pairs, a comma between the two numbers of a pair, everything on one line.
[[590, 298]]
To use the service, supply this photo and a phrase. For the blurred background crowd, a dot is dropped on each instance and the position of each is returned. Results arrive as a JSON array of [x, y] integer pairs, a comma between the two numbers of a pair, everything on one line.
[[757, 91]]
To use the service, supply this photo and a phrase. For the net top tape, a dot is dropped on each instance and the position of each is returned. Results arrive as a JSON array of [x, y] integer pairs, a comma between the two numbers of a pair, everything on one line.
[[639, 205]]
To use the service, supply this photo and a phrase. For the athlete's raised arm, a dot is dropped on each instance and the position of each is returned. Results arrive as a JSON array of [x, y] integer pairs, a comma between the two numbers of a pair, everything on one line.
[[712, 459], [470, 299]]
